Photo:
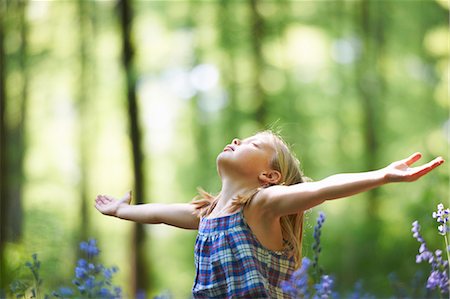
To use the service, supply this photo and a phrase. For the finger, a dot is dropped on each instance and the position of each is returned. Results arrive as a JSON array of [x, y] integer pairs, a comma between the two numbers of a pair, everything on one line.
[[99, 208], [412, 159], [104, 200], [127, 197], [426, 168], [107, 198]]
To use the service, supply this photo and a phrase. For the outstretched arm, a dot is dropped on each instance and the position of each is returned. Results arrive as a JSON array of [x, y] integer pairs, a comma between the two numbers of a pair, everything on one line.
[[179, 215], [285, 200]]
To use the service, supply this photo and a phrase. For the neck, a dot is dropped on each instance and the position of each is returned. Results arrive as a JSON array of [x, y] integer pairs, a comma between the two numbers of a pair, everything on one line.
[[231, 189]]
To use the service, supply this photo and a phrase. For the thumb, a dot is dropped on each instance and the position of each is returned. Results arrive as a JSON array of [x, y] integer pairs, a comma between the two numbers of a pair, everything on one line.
[[127, 197]]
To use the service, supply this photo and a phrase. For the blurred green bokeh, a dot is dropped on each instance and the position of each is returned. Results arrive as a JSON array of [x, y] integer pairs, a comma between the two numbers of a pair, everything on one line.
[[352, 85]]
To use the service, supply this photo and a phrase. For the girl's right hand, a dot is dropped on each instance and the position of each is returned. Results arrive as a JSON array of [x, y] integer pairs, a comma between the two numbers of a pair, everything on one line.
[[108, 205]]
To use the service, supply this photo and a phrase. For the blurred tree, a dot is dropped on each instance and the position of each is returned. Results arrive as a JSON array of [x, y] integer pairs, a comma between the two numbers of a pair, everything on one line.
[[83, 92], [201, 126], [13, 113], [257, 38], [140, 282], [16, 127], [370, 85], [3, 157], [229, 42]]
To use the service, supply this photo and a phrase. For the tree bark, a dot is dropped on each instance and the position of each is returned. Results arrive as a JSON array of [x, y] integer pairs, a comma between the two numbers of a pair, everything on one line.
[[83, 91], [258, 31], [3, 158], [228, 43], [370, 85], [140, 283]]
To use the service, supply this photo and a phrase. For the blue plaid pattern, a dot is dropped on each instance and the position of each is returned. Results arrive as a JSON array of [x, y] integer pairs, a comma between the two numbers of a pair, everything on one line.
[[231, 263]]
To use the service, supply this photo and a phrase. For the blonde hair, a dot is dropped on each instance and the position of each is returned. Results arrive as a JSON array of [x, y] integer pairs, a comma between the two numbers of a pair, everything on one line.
[[288, 165]]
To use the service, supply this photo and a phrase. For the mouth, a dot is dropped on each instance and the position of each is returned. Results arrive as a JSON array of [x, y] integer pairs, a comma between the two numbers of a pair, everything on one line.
[[228, 148]]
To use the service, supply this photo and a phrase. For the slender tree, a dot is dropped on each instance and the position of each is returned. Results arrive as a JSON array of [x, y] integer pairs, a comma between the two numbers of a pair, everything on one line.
[[17, 133], [228, 41], [257, 37], [202, 120], [3, 157], [12, 131], [370, 85], [83, 92], [140, 283]]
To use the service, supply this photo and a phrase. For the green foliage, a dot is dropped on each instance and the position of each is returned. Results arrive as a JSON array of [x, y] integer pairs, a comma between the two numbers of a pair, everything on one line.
[[29, 287], [91, 279], [320, 61]]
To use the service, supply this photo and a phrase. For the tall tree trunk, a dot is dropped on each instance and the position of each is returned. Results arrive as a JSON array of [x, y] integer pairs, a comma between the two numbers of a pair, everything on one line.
[[12, 135], [228, 43], [83, 119], [370, 86], [140, 283], [258, 31], [3, 157], [16, 134], [201, 126]]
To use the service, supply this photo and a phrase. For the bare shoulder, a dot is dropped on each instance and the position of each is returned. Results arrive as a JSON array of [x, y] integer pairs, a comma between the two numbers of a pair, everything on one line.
[[266, 196], [265, 200]]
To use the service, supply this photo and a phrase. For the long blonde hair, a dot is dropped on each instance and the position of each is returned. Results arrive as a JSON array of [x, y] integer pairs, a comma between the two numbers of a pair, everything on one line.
[[288, 165]]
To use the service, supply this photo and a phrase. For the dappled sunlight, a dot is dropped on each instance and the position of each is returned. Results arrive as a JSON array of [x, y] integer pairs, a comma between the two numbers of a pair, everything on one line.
[[349, 95]]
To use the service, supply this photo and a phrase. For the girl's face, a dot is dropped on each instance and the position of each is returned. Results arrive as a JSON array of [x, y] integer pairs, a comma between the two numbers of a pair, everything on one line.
[[250, 156]]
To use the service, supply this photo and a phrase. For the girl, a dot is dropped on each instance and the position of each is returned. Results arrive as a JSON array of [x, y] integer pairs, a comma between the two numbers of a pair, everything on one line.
[[249, 235]]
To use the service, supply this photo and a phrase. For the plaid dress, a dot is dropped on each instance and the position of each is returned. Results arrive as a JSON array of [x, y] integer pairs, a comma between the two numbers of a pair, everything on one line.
[[231, 263]]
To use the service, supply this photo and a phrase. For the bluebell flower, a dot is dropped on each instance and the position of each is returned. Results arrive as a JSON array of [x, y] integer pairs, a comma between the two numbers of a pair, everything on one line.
[[90, 247], [316, 245], [104, 292], [63, 292], [80, 272], [82, 263], [324, 289], [298, 285], [107, 273], [93, 280], [439, 268]]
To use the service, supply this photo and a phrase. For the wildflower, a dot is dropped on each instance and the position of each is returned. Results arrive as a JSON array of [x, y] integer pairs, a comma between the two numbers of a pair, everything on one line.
[[439, 268], [297, 286], [90, 247], [316, 245], [442, 217], [324, 288], [63, 292], [424, 253]]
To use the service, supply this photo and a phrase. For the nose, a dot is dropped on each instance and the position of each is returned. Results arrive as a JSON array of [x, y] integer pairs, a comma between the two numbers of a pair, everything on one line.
[[236, 141]]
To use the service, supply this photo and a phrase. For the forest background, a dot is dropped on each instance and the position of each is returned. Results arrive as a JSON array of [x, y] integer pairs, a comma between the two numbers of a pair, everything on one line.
[[102, 97]]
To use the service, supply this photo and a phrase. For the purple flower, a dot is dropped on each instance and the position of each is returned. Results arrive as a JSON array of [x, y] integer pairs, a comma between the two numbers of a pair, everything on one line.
[[316, 245], [80, 272], [439, 268], [439, 280], [90, 247], [92, 279], [324, 288], [442, 217], [297, 286]]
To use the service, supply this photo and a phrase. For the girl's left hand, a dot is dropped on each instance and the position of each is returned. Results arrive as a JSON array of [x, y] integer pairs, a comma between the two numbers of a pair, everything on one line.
[[401, 171]]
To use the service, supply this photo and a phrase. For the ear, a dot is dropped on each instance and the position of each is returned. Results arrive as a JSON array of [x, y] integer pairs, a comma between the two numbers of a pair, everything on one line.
[[271, 177]]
